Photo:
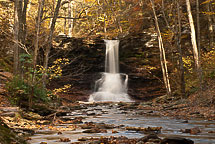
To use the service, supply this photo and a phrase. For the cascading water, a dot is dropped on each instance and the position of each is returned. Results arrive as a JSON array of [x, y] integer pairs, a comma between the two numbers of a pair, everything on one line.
[[112, 86]]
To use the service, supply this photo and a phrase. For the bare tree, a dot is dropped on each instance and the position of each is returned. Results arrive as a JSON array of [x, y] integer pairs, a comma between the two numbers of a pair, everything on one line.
[[193, 35], [210, 25], [198, 27], [38, 24], [178, 44], [20, 10], [70, 14], [162, 53], [16, 38], [49, 41], [36, 47]]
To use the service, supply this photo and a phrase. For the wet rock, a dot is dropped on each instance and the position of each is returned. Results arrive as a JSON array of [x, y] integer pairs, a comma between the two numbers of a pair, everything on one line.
[[194, 131], [31, 116], [77, 106], [95, 142], [65, 140], [185, 121], [68, 120], [89, 125], [176, 140], [9, 109], [9, 114], [91, 114], [105, 126], [43, 122], [24, 131], [128, 106], [145, 130], [114, 131], [95, 130], [62, 113], [59, 133], [150, 138], [83, 139]]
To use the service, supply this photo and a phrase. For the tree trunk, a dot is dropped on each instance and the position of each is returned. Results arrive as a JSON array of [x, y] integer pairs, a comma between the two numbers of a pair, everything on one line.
[[16, 39], [198, 27], [162, 53], [178, 43], [210, 25], [70, 21], [38, 24], [36, 47], [193, 36], [20, 9], [49, 41], [164, 15]]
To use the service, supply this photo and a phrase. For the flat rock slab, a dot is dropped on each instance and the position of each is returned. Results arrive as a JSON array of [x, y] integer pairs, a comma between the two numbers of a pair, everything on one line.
[[9, 114], [9, 109]]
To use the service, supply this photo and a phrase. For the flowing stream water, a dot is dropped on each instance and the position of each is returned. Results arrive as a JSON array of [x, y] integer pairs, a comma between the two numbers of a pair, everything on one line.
[[112, 114]]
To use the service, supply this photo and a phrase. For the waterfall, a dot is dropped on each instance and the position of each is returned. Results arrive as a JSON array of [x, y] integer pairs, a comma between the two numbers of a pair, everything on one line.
[[112, 56], [112, 86]]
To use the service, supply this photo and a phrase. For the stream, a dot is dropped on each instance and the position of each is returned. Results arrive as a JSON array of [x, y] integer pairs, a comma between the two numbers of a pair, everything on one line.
[[113, 114]]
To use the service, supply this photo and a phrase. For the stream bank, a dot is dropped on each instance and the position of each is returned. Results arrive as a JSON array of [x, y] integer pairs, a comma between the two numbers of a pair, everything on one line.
[[139, 122]]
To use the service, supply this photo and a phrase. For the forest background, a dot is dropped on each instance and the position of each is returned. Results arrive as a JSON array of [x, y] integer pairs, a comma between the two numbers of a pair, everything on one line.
[[55, 48]]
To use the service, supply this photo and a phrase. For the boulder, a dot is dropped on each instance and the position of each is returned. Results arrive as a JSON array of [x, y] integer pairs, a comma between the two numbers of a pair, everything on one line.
[[176, 140]]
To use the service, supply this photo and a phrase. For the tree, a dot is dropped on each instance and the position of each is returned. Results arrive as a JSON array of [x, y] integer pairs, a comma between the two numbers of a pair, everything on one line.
[[20, 9], [193, 35], [49, 41], [162, 52], [38, 24], [210, 26], [16, 39], [178, 44], [70, 21]]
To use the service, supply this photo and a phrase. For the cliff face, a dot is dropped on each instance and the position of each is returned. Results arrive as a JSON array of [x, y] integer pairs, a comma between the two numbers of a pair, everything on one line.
[[137, 59]]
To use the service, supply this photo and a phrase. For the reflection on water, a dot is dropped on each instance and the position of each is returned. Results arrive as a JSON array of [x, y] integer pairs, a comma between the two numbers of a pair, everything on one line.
[[113, 115]]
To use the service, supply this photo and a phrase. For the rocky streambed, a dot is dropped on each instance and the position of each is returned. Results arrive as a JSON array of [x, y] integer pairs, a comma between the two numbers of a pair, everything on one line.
[[120, 123]]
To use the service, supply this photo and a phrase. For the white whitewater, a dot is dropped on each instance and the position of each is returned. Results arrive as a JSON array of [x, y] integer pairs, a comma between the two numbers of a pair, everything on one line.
[[112, 86]]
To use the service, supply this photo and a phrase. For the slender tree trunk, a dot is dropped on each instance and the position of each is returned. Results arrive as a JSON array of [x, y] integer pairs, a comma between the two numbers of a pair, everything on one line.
[[16, 39], [20, 9], [198, 27], [210, 25], [164, 15], [178, 43], [38, 24], [36, 48], [65, 23], [193, 40], [162, 53], [49, 41], [70, 21], [193, 36], [24, 25], [200, 74], [105, 29]]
